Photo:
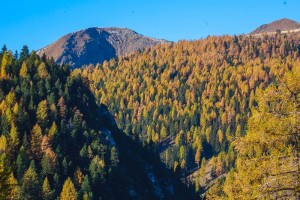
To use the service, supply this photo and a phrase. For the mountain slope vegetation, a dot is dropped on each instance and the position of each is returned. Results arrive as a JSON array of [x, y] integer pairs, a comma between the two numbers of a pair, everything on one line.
[[55, 141], [267, 165], [216, 118], [193, 99]]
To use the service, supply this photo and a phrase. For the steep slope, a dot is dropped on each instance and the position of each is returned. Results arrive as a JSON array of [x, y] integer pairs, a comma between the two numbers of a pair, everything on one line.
[[193, 98], [94, 45], [284, 25], [53, 136]]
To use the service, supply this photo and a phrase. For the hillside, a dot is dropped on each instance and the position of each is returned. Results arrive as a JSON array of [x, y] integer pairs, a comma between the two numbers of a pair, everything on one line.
[[284, 25], [193, 99], [216, 118], [55, 141], [94, 45]]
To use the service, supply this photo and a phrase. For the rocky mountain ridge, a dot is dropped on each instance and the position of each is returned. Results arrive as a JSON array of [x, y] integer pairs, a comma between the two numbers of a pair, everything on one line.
[[94, 45], [283, 25]]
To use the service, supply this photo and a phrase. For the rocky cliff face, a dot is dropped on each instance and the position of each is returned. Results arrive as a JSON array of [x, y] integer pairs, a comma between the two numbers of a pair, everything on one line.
[[94, 45]]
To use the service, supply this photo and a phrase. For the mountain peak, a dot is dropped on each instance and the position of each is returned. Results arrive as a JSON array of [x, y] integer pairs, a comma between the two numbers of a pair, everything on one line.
[[94, 45], [284, 25]]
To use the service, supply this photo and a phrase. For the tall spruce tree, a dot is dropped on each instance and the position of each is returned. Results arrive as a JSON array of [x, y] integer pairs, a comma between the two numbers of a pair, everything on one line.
[[68, 192]]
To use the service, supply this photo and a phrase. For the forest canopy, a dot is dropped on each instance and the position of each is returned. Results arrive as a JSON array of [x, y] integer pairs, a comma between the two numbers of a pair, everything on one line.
[[193, 99]]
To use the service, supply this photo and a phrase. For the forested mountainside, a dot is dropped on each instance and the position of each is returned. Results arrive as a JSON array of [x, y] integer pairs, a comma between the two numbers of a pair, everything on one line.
[[193, 99], [57, 143], [94, 45], [267, 165]]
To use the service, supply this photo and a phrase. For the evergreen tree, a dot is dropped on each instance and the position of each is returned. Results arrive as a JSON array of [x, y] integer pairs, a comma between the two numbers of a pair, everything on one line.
[[30, 188], [86, 189], [20, 166], [68, 192], [96, 169], [114, 157], [78, 177], [53, 131], [23, 70], [46, 165], [16, 191], [65, 166], [5, 186], [14, 137], [42, 113], [24, 53], [202, 171], [16, 55], [4, 64], [198, 155], [35, 142], [4, 49], [47, 193], [163, 133], [3, 144], [42, 71]]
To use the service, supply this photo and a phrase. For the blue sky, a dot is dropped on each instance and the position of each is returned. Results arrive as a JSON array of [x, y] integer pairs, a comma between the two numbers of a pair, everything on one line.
[[38, 23]]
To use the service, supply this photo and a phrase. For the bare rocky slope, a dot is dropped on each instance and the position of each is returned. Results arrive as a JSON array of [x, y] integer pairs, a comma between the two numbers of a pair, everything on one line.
[[94, 45], [284, 25]]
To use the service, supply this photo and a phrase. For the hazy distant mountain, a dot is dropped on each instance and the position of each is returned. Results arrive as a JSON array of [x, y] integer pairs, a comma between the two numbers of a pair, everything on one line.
[[284, 25], [94, 45]]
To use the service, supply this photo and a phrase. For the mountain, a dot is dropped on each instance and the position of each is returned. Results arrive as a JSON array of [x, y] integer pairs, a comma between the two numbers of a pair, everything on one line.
[[220, 112], [94, 45], [284, 25]]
